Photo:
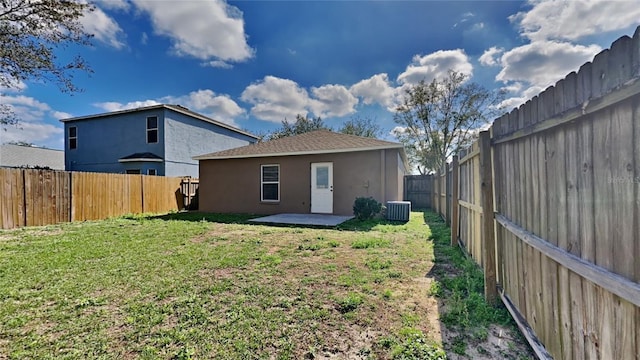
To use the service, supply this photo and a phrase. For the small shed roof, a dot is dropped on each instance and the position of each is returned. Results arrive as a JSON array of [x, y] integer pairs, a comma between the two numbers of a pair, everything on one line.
[[144, 156], [314, 142], [177, 108]]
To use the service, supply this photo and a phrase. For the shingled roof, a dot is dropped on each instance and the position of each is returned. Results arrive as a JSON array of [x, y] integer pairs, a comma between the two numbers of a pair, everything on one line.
[[31, 156], [314, 142]]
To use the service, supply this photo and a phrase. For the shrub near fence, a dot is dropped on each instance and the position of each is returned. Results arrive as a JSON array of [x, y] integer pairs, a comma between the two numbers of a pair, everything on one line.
[[561, 244], [43, 197]]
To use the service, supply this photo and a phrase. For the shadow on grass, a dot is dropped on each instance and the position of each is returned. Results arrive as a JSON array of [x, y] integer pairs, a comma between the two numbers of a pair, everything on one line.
[[459, 287], [197, 216]]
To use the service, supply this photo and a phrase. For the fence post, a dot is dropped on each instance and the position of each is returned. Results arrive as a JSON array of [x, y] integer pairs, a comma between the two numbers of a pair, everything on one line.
[[488, 239], [447, 192], [455, 221], [436, 192]]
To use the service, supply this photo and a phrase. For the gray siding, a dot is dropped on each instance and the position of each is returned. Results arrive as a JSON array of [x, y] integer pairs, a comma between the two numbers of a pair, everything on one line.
[[102, 141], [186, 137]]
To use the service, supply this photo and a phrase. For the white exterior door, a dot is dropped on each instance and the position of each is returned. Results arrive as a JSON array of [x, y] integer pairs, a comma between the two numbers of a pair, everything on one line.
[[322, 188]]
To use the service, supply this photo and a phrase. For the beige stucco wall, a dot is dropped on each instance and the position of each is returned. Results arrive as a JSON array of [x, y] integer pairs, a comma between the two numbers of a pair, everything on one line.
[[233, 185]]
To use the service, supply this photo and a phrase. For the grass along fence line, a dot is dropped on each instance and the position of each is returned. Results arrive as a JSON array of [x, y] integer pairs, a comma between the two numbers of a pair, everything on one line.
[[193, 286]]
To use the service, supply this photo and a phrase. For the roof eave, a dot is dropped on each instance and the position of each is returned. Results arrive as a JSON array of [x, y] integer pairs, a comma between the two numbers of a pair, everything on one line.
[[163, 106], [297, 153], [140, 160]]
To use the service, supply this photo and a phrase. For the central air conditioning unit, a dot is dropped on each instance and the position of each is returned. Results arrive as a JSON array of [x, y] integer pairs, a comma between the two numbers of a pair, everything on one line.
[[398, 210]]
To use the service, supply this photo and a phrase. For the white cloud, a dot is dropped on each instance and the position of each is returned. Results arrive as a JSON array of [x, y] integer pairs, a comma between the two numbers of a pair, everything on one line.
[[206, 102], [332, 100], [32, 127], [33, 132], [543, 63], [103, 28], [275, 99], [435, 66], [116, 106], [376, 89], [465, 17], [14, 86], [491, 56], [59, 115], [206, 30], [216, 106], [572, 20], [122, 5], [553, 29], [218, 64], [144, 38]]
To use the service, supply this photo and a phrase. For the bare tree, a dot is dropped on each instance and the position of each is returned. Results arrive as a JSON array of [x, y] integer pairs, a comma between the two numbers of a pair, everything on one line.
[[302, 125], [361, 126], [439, 118]]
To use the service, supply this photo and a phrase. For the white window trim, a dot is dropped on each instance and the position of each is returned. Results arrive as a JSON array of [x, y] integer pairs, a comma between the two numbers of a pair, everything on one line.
[[151, 129], [154, 170], [262, 183], [73, 137]]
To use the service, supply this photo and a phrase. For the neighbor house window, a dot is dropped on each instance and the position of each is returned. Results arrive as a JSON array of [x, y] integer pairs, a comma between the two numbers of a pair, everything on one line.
[[73, 137], [151, 171], [270, 183], [152, 129], [133, 171]]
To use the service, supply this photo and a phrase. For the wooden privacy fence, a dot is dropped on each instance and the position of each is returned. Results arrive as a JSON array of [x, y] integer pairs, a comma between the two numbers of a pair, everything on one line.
[[548, 204], [189, 188], [43, 197], [419, 190], [442, 192]]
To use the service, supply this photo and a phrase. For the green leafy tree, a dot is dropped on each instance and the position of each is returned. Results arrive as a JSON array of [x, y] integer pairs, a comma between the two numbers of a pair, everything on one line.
[[30, 33], [361, 126], [302, 125], [435, 120]]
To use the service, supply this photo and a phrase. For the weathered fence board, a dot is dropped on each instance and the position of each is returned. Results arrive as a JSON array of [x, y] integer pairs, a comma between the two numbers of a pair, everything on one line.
[[41, 197], [419, 190], [566, 181]]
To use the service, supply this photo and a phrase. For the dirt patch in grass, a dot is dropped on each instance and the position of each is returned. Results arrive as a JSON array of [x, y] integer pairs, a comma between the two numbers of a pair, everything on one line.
[[164, 288]]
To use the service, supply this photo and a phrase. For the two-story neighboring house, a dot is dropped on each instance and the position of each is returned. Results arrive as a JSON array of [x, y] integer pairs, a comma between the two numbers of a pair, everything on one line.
[[153, 140]]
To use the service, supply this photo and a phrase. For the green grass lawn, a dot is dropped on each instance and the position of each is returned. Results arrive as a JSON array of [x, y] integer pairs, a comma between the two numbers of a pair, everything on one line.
[[191, 285]]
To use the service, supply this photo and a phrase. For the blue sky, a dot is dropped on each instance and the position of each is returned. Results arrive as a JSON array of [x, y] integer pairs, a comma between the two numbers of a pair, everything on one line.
[[254, 63]]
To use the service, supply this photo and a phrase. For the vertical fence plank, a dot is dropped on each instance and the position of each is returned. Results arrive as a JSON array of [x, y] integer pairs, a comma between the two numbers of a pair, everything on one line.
[[42, 197], [575, 185], [455, 208], [489, 260]]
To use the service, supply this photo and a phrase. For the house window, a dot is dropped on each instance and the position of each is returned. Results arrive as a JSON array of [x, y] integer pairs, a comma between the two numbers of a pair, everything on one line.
[[151, 172], [73, 137], [152, 129], [133, 171], [270, 183]]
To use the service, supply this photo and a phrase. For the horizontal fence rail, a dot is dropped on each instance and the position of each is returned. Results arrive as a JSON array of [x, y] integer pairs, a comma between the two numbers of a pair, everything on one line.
[[547, 203]]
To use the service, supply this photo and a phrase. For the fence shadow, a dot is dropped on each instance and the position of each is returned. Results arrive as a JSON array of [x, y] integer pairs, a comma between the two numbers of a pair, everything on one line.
[[469, 325]]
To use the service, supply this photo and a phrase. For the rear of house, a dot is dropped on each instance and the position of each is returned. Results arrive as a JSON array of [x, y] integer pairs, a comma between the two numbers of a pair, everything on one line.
[[316, 172]]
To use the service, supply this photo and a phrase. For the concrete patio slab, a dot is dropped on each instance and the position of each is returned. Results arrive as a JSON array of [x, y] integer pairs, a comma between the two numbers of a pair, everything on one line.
[[303, 219]]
